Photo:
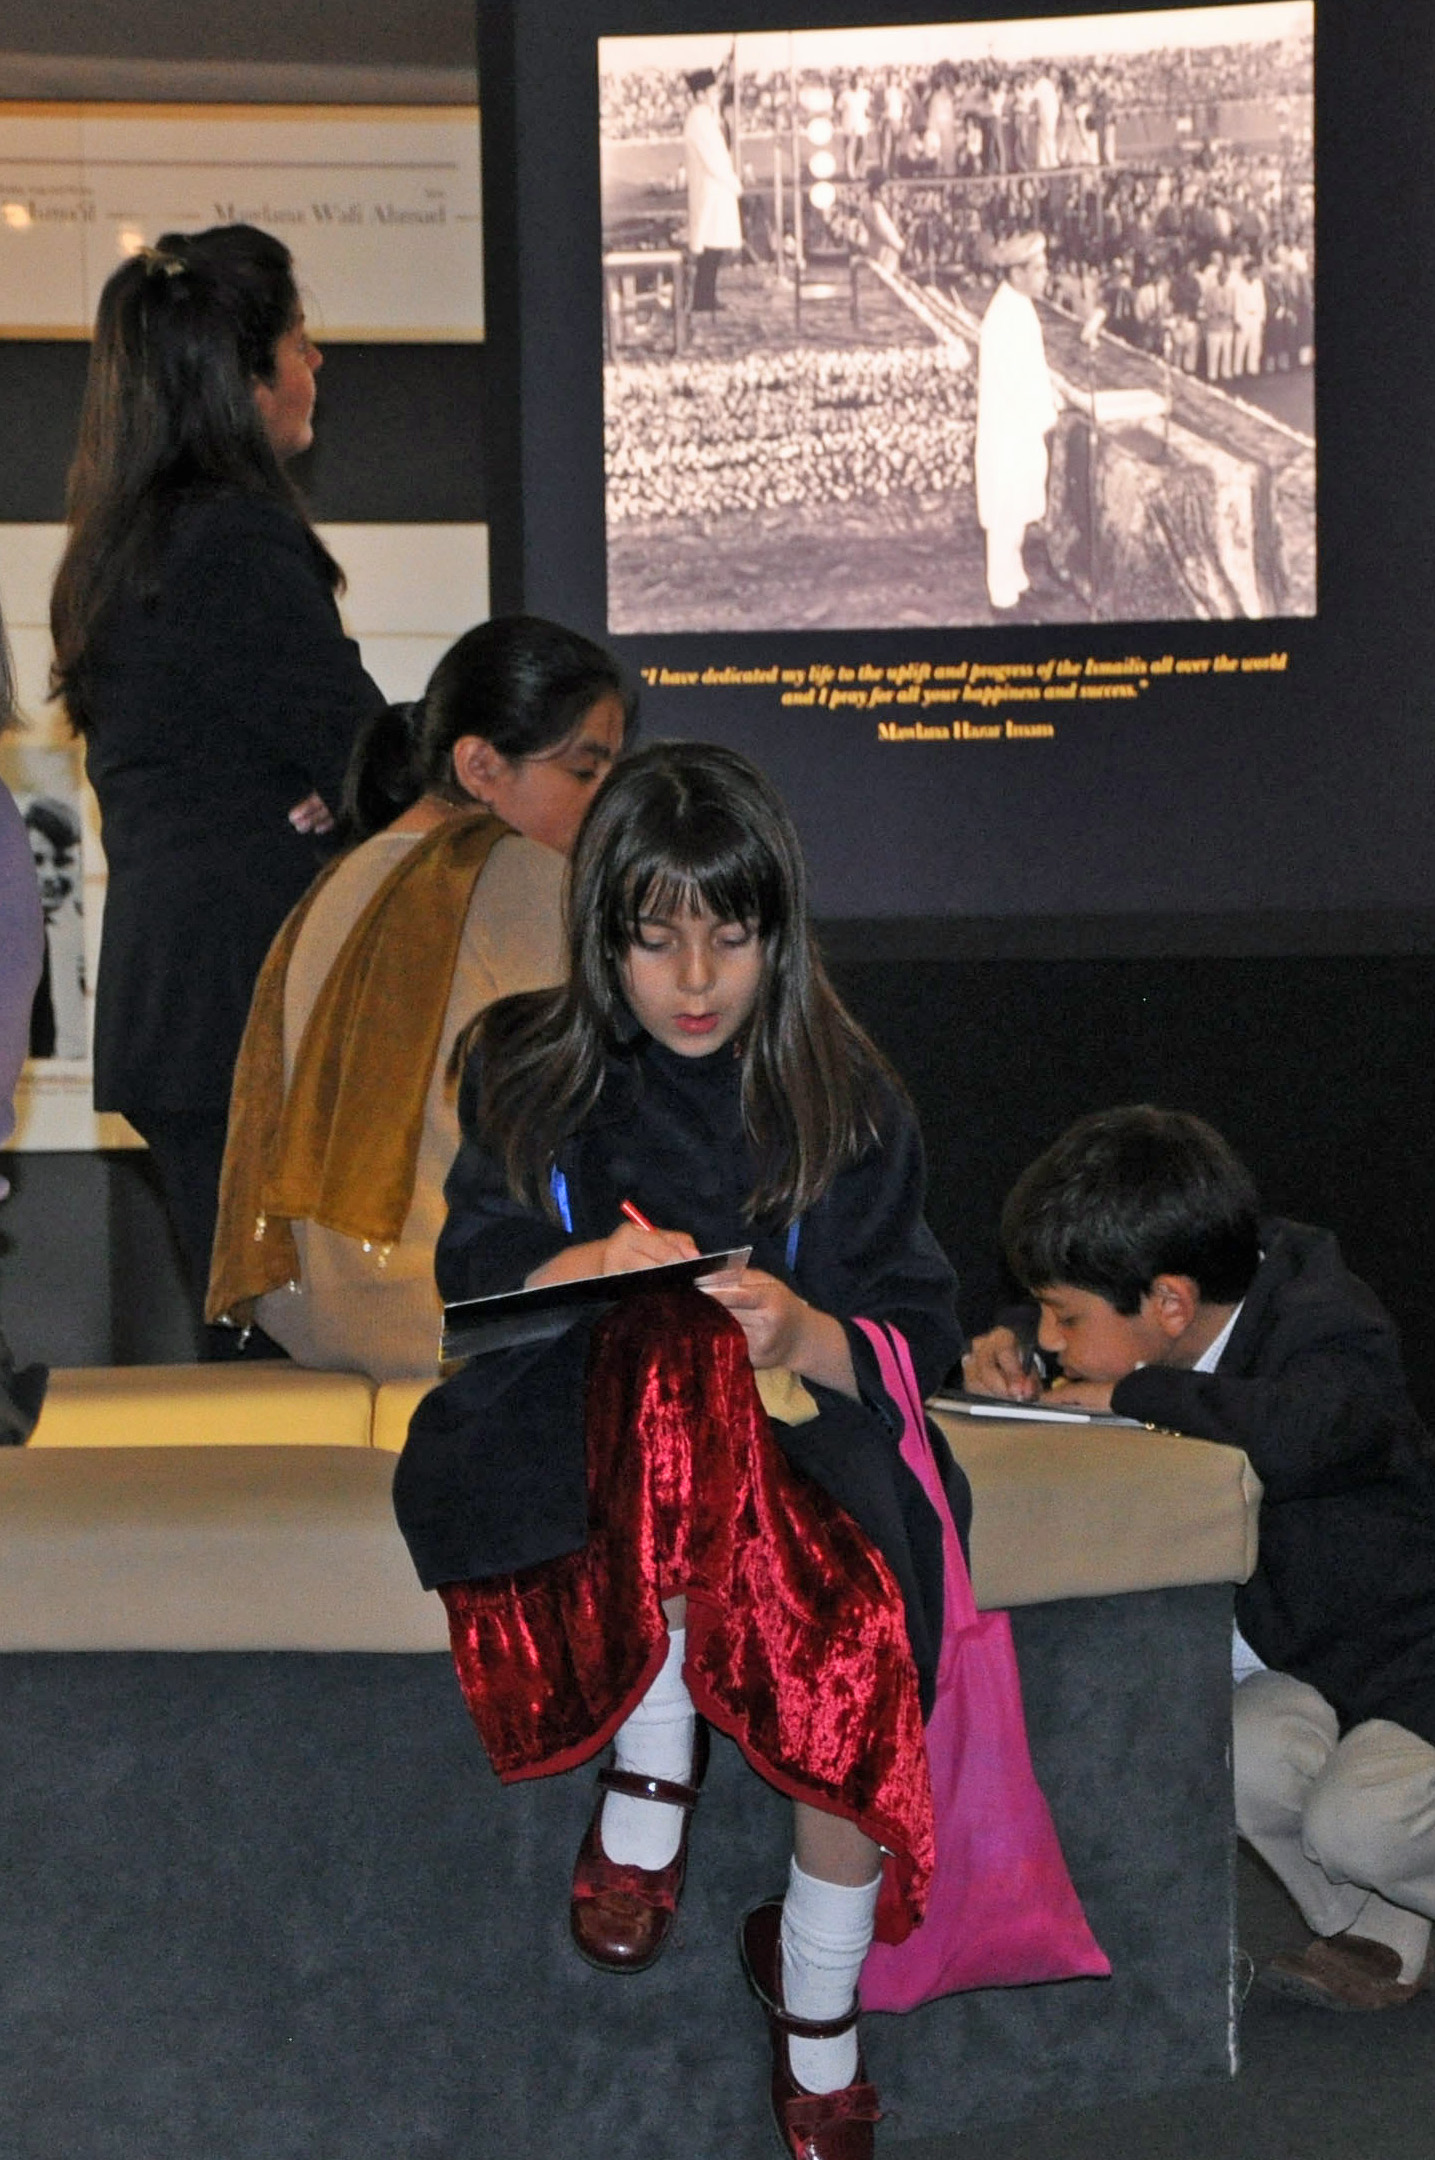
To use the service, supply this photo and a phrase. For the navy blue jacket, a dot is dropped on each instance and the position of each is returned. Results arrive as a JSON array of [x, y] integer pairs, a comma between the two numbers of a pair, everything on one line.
[[214, 712], [492, 1476], [1311, 1385]]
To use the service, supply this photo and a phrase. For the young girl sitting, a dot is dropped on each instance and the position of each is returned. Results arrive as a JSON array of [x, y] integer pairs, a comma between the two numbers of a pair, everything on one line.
[[638, 1544]]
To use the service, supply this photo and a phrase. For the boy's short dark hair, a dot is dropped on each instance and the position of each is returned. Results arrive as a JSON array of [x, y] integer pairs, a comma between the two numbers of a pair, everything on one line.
[[1126, 1195]]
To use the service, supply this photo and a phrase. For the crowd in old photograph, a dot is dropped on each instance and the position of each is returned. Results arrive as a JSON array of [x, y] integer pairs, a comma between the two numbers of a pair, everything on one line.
[[1208, 264], [1174, 187], [967, 117]]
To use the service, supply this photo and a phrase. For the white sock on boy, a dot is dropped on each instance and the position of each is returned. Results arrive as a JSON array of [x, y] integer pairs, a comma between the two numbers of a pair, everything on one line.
[[1406, 1933]]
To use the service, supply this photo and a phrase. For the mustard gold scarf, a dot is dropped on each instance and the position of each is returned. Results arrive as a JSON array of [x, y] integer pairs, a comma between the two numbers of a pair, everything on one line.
[[341, 1147]]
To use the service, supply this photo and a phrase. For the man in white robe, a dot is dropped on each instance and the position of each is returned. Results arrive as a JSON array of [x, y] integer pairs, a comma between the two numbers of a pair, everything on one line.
[[714, 189], [1016, 412]]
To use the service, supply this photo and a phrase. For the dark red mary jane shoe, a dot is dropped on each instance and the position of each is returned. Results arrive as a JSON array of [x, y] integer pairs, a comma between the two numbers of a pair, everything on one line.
[[811, 2126], [620, 1916]]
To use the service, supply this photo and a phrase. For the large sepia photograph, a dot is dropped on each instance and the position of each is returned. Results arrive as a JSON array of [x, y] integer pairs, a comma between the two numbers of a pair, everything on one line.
[[956, 324]]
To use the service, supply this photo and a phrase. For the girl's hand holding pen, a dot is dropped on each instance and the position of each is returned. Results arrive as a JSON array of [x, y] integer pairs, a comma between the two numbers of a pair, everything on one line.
[[629, 1248], [781, 1328], [637, 1243]]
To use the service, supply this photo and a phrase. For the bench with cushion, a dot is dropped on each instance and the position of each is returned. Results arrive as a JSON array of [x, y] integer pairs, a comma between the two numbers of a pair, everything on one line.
[[266, 1897]]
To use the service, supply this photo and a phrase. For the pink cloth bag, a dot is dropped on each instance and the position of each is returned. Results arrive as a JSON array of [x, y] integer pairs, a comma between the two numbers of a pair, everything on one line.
[[1001, 1911]]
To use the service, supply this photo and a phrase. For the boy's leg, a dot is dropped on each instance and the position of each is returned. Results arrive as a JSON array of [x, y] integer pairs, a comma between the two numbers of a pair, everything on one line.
[[1370, 1823], [1283, 1735], [1349, 1827]]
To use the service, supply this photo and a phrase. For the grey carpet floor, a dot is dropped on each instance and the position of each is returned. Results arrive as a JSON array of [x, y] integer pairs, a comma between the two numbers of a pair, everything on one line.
[[236, 1923], [1312, 2085]]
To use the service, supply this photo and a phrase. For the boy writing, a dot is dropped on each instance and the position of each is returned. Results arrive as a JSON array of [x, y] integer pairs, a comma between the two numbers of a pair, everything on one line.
[[1165, 1297]]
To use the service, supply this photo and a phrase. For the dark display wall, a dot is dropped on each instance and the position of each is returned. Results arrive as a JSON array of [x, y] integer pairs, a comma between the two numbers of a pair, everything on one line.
[[1223, 897], [1318, 1069], [1305, 1033]]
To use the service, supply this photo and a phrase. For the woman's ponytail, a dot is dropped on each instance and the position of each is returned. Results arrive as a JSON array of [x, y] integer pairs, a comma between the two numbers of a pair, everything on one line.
[[384, 777]]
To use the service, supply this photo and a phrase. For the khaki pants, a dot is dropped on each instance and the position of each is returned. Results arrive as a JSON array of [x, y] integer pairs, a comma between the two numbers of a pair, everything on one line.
[[1347, 1824]]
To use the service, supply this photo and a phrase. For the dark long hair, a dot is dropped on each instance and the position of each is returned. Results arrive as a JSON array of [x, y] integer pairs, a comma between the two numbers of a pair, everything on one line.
[[184, 331], [685, 826], [520, 682]]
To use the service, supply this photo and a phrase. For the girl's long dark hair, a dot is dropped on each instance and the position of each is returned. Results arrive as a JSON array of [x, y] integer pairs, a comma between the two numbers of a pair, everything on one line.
[[682, 826], [183, 332], [519, 681]]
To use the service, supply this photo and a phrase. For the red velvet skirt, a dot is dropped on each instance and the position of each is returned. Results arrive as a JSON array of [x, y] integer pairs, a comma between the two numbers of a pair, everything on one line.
[[796, 1639]]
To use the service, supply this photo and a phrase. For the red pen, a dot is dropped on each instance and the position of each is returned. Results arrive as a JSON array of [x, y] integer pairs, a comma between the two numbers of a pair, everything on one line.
[[635, 1216]]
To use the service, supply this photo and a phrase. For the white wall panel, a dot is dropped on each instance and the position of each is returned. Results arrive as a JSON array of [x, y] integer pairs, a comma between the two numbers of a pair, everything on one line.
[[412, 589]]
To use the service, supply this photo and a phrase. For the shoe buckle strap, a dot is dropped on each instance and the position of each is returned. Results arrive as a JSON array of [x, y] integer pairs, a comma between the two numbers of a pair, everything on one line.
[[801, 2028], [635, 1786]]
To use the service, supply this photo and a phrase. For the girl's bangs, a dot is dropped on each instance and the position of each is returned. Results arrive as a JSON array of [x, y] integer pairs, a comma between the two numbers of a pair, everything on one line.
[[740, 886]]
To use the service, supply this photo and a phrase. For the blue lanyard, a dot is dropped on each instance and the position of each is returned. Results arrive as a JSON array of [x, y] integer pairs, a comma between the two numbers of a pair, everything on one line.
[[558, 1186]]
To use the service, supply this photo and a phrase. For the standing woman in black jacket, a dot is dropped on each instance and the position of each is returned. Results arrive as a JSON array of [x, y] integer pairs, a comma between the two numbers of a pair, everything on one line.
[[199, 651]]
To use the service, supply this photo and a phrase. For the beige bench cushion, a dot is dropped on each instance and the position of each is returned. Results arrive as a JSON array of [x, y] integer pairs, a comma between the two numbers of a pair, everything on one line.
[[1061, 1511], [268, 1404], [394, 1404], [1087, 1510], [200, 1548]]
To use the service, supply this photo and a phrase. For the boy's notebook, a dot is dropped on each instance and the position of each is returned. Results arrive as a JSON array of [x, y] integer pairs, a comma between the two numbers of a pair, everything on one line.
[[1047, 1412], [473, 1326]]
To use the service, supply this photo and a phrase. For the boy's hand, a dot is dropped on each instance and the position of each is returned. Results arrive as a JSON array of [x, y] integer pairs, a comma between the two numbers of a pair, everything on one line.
[[994, 1366]]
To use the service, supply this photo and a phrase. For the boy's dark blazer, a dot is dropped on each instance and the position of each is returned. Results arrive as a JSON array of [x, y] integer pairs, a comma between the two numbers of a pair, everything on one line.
[[1311, 1385]]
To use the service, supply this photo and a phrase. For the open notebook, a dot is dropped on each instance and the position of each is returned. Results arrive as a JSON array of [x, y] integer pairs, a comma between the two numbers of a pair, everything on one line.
[[1046, 1412], [474, 1326]]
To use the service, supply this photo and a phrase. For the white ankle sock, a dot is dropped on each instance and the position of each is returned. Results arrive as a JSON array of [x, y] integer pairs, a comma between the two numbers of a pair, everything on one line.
[[1406, 1933], [655, 1740], [826, 1930]]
